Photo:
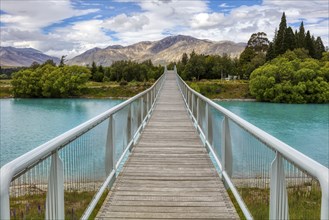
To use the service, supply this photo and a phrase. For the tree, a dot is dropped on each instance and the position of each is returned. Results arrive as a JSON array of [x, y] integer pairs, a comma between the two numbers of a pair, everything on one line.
[[309, 44], [34, 65], [300, 37], [291, 78], [319, 48], [258, 42], [50, 81], [289, 40], [62, 62], [97, 74], [49, 62], [270, 52], [279, 44], [253, 54], [184, 59]]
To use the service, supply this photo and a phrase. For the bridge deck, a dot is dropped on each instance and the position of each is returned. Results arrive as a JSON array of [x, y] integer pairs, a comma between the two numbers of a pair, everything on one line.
[[169, 174]]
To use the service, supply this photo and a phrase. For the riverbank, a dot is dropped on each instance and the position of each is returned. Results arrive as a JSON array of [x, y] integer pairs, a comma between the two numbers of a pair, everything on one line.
[[236, 90], [92, 90], [222, 90]]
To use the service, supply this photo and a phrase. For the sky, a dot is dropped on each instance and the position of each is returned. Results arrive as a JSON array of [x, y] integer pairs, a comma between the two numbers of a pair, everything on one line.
[[70, 27]]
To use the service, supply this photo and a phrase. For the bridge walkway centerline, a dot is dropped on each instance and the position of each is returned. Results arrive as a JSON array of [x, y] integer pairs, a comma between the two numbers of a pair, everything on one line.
[[169, 174]]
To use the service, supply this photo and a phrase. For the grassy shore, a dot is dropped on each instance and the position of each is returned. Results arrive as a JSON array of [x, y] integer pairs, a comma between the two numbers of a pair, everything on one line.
[[222, 89], [5, 88], [213, 89], [93, 89], [303, 203], [114, 89], [33, 206]]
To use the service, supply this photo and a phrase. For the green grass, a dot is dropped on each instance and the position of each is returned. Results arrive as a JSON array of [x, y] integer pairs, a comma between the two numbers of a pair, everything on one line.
[[113, 89], [94, 89], [303, 203], [5, 88], [99, 204], [33, 206], [221, 89]]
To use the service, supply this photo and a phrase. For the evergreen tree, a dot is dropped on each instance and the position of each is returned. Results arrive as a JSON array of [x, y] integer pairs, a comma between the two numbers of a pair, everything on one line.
[[289, 40], [319, 48], [301, 36], [270, 52], [62, 62], [101, 69], [184, 59], [93, 68], [309, 44], [49, 62], [280, 38]]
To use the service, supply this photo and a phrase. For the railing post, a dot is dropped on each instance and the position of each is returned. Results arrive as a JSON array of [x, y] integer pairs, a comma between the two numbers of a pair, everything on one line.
[[55, 193], [209, 126], [192, 104], [197, 112], [142, 111], [147, 102], [109, 150], [128, 131], [188, 99], [206, 129], [278, 193], [134, 120], [226, 147], [154, 95]]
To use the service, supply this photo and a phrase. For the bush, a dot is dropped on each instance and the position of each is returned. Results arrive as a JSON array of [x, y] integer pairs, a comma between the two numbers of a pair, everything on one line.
[[50, 81], [291, 79]]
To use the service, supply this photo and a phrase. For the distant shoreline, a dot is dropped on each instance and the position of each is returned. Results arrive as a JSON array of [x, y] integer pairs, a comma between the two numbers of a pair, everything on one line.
[[239, 100]]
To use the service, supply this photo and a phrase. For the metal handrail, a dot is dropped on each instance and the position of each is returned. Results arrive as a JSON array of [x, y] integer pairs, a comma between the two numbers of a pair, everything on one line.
[[20, 165], [302, 161]]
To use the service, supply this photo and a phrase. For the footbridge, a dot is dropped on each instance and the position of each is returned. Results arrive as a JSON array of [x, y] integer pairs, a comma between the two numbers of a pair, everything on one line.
[[166, 153]]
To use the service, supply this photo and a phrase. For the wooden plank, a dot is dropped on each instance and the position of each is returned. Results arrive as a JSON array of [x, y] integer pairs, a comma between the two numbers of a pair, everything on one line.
[[169, 174], [148, 215]]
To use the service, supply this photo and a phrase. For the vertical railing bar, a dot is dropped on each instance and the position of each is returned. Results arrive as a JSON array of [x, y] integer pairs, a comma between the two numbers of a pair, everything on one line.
[[197, 113]]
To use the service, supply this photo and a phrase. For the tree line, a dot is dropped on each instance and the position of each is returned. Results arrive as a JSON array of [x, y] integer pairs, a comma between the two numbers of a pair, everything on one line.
[[126, 71], [49, 80], [286, 39]]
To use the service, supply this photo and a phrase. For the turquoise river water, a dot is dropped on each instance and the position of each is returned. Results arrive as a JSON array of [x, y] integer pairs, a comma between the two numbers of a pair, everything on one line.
[[27, 123]]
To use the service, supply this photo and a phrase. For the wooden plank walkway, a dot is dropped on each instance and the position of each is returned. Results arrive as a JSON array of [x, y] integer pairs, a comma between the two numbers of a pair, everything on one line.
[[169, 174]]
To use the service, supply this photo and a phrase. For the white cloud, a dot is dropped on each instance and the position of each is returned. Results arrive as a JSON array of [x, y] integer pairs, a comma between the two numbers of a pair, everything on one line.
[[24, 22], [225, 5], [122, 23], [206, 20], [27, 15]]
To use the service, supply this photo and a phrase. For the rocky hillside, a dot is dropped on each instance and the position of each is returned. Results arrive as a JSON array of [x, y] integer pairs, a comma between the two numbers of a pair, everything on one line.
[[160, 52], [11, 56]]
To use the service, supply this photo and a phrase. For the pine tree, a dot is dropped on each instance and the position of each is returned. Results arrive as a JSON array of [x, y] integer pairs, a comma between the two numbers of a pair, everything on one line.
[[62, 62], [279, 45], [270, 52], [319, 48], [289, 40], [301, 36], [309, 45], [184, 59]]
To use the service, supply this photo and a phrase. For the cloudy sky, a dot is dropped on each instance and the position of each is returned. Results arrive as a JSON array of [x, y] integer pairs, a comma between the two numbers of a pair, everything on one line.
[[69, 27]]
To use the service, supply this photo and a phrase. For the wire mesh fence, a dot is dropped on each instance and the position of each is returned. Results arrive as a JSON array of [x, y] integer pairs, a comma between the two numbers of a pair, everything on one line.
[[76, 165], [267, 174]]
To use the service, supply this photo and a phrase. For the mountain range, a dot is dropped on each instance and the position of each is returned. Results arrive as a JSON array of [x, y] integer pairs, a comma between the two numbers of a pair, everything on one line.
[[11, 56], [160, 52], [163, 51]]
